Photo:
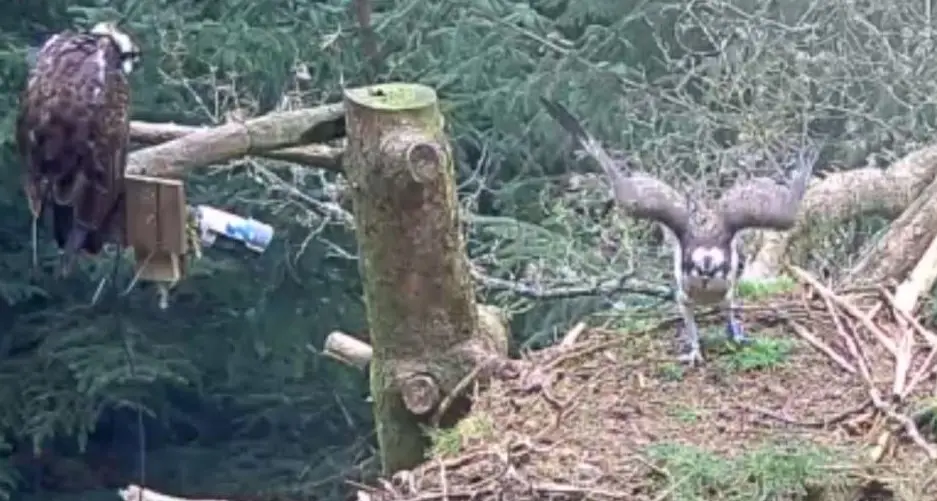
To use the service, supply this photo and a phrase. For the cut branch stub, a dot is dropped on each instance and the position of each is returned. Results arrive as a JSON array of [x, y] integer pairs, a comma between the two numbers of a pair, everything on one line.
[[424, 160], [348, 349], [419, 295], [420, 393]]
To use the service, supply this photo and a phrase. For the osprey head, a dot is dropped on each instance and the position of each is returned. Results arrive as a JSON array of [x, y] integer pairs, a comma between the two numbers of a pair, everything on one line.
[[128, 49], [708, 262]]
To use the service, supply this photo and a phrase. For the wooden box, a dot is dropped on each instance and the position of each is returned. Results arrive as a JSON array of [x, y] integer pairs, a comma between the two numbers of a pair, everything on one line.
[[155, 226]]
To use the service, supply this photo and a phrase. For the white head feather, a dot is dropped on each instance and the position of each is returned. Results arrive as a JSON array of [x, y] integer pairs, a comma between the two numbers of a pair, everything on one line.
[[128, 49]]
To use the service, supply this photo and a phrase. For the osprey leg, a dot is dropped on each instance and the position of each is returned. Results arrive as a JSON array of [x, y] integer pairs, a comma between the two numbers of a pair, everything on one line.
[[734, 329], [691, 353]]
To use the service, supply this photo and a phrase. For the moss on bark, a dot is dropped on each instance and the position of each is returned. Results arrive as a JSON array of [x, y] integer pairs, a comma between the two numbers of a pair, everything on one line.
[[420, 299]]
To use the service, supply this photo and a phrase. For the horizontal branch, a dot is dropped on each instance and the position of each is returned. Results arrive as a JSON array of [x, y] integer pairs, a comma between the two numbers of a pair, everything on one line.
[[320, 156], [289, 134], [625, 284], [135, 492]]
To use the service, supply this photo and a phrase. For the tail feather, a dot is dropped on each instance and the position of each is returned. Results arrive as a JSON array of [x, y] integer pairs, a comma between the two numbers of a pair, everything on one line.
[[586, 141], [566, 120], [73, 236], [62, 222]]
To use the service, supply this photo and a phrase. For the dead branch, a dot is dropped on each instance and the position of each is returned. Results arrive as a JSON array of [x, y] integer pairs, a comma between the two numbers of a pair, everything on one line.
[[135, 492], [320, 156], [842, 196], [212, 145], [573, 335], [846, 306], [625, 284], [920, 280], [902, 351], [897, 251]]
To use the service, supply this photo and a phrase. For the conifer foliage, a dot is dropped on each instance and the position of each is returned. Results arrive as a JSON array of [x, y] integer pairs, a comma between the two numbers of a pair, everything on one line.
[[234, 402]]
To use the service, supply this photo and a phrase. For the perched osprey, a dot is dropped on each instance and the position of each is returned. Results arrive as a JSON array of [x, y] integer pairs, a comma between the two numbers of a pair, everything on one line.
[[707, 261], [72, 132]]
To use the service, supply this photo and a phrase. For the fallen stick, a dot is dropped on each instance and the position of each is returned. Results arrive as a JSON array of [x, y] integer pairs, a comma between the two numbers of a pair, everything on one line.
[[874, 395], [847, 307], [821, 346], [134, 492], [920, 280], [923, 371], [820, 423], [573, 335], [926, 333], [852, 344], [907, 423]]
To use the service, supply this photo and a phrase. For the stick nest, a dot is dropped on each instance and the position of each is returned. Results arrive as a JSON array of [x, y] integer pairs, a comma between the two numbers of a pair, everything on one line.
[[830, 403]]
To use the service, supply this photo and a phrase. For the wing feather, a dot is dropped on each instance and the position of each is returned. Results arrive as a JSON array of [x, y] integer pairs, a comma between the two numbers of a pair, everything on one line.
[[763, 203], [640, 195], [72, 135]]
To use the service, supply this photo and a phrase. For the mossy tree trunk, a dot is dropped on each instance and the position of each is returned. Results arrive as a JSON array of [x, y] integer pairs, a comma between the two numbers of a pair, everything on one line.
[[422, 314]]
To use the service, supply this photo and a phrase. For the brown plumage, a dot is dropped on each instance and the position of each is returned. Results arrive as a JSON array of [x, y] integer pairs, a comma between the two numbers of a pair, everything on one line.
[[73, 131], [757, 203], [707, 261]]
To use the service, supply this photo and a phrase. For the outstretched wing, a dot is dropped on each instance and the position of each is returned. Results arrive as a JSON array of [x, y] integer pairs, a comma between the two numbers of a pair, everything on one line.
[[640, 195], [763, 203]]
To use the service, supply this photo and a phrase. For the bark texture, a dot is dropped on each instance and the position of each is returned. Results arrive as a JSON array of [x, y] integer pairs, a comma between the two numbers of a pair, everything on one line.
[[422, 314], [900, 248], [212, 145], [841, 196]]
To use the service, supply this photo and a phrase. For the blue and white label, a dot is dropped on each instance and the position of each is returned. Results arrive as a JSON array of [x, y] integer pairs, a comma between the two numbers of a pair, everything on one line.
[[254, 234]]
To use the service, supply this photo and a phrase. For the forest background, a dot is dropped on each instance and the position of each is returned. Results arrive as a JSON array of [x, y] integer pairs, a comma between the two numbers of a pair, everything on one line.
[[236, 397]]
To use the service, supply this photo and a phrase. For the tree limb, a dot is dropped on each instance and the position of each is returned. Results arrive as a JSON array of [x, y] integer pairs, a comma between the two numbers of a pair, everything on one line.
[[534, 291], [842, 196], [906, 240], [135, 492], [201, 146], [320, 156]]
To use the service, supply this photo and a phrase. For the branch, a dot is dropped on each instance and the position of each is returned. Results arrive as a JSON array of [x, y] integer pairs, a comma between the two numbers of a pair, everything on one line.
[[348, 350], [313, 155], [919, 281], [134, 492], [624, 284], [201, 146], [899, 248], [842, 196]]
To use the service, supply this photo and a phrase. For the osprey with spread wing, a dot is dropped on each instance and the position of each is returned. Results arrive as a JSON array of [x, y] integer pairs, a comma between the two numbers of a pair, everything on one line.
[[704, 233], [73, 133]]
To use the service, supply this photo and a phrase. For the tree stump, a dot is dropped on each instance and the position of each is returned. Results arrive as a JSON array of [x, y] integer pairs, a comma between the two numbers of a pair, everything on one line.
[[421, 308]]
